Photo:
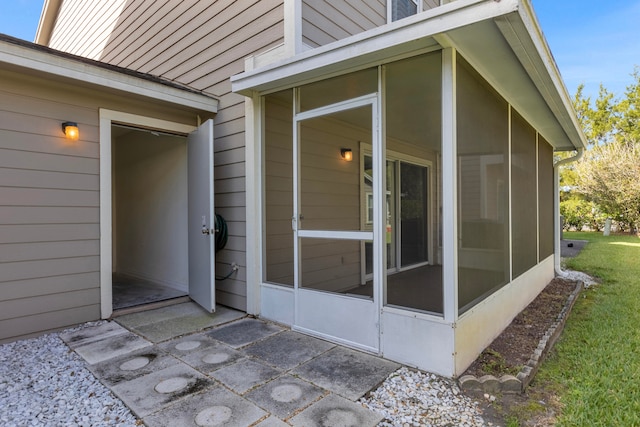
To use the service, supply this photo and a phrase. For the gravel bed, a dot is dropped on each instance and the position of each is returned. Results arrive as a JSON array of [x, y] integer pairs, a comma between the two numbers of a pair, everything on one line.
[[579, 275], [414, 399], [44, 383]]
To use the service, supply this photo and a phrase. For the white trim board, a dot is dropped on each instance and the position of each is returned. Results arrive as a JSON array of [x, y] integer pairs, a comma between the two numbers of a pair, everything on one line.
[[107, 118]]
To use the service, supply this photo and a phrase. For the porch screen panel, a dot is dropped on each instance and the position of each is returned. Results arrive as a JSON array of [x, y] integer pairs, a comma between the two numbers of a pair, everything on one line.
[[413, 106], [333, 265], [545, 185], [329, 184], [336, 89], [413, 214], [483, 196], [524, 213], [278, 188]]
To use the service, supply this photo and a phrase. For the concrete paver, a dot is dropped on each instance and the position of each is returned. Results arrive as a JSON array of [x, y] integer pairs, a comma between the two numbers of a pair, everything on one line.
[[336, 411], [236, 372], [133, 365], [167, 322], [213, 407], [288, 349], [245, 374], [149, 393], [346, 372], [285, 396], [244, 332], [272, 422], [106, 341], [208, 356]]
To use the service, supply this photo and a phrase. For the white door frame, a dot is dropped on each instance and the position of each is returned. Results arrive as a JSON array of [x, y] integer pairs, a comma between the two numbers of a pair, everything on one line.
[[312, 318], [107, 117]]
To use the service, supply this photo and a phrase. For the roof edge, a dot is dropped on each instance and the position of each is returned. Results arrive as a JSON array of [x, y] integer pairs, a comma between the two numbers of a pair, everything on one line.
[[47, 21], [552, 81], [34, 57]]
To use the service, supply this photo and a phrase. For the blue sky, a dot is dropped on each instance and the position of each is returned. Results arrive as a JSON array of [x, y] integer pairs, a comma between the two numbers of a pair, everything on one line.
[[593, 41]]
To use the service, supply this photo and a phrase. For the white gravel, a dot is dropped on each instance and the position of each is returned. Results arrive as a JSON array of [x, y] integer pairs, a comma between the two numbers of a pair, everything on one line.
[[579, 275], [43, 383], [414, 399]]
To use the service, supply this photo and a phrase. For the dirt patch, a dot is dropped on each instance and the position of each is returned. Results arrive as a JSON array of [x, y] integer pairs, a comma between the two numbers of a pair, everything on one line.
[[510, 351]]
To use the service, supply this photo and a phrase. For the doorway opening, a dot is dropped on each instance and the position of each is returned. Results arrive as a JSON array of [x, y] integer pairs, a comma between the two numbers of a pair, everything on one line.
[[150, 250]]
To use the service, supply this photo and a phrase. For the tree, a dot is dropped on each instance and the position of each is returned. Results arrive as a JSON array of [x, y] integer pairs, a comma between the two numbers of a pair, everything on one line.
[[609, 173], [609, 176]]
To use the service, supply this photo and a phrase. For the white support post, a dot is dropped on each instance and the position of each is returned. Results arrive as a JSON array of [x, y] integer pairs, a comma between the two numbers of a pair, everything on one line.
[[292, 27], [449, 187], [253, 160]]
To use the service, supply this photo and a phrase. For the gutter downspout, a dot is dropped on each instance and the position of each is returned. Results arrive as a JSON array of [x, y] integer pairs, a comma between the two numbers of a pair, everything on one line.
[[556, 220]]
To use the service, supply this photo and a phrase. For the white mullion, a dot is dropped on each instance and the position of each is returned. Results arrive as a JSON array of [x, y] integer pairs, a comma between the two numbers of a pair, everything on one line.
[[379, 209], [338, 235], [449, 187], [349, 104], [537, 198], [510, 193], [296, 204], [397, 223], [379, 131]]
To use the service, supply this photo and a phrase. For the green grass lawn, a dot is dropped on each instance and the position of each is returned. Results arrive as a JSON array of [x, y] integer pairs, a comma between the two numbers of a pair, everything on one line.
[[595, 367]]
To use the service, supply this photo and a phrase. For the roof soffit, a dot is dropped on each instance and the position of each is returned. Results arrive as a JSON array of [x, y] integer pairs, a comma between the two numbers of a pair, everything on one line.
[[500, 39]]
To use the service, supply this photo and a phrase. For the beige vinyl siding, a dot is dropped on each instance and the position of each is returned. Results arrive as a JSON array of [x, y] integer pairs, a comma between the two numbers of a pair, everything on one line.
[[85, 36], [430, 4], [202, 44], [325, 21], [49, 201]]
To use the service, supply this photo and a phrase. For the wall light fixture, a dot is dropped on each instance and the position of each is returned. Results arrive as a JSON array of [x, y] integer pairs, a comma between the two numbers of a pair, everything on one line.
[[346, 154], [71, 131]]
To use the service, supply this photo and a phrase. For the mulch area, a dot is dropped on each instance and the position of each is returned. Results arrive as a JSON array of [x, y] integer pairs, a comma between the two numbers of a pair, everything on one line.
[[515, 345]]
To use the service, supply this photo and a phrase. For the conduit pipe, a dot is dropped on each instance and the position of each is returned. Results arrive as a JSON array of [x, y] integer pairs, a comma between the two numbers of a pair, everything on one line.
[[556, 222]]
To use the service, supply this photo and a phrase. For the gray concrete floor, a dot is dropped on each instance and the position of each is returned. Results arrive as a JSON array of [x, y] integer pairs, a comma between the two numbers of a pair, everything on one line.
[[182, 366]]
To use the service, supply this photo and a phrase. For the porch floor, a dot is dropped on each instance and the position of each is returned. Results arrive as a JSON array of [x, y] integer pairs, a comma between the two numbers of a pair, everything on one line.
[[419, 288], [130, 292], [225, 368]]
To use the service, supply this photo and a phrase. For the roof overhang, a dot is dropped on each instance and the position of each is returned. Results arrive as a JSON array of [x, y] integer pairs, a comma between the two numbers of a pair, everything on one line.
[[29, 58], [500, 38], [48, 16]]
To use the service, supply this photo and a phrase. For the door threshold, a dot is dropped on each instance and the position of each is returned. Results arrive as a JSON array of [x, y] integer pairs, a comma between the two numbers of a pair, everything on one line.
[[149, 306]]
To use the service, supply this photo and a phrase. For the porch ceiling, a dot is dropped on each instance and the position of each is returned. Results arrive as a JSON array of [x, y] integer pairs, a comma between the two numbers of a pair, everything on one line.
[[501, 39]]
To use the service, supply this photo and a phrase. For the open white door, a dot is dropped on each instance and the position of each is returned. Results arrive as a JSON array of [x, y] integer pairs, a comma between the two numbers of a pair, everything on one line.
[[201, 217]]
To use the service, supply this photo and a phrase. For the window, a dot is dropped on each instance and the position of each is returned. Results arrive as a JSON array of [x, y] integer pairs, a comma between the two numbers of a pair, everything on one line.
[[403, 8]]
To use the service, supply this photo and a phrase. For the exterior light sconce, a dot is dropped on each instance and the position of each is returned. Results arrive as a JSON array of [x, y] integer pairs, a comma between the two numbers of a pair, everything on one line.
[[70, 130], [346, 154]]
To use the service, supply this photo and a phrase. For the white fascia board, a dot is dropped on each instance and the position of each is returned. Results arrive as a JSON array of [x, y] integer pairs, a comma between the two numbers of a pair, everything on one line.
[[47, 21], [401, 37], [525, 37], [68, 68]]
